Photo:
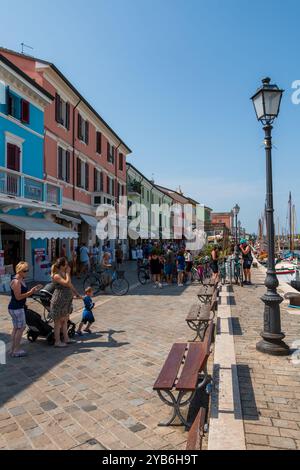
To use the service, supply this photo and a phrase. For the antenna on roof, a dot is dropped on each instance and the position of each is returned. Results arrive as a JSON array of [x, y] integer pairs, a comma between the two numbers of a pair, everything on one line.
[[25, 45]]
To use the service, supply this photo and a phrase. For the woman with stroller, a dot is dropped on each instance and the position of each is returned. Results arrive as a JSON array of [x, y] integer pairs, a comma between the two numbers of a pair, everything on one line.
[[17, 305], [61, 303]]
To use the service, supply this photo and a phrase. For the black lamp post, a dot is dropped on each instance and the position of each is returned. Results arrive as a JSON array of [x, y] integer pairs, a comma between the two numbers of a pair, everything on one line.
[[236, 211], [266, 102]]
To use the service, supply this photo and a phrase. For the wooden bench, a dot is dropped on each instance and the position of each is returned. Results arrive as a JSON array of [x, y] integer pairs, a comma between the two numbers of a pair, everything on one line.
[[205, 293], [196, 432], [183, 373], [200, 315]]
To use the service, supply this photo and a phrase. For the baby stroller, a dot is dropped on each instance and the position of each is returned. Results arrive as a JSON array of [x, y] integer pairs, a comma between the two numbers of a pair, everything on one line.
[[37, 326]]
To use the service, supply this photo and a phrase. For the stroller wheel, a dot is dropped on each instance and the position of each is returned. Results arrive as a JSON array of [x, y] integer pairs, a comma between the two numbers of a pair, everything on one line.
[[50, 339], [71, 331], [32, 336]]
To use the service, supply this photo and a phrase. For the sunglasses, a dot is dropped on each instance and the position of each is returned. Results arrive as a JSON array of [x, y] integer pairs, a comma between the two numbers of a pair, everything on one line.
[[25, 271]]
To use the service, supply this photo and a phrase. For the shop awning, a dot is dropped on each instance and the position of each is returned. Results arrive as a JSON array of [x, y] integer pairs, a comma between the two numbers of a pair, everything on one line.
[[38, 228], [90, 220], [68, 218]]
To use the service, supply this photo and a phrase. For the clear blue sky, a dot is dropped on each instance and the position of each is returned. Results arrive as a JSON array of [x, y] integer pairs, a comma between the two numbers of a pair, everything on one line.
[[173, 78]]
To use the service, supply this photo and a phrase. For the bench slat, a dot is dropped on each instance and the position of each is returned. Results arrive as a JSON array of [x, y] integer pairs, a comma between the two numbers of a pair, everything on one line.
[[194, 441], [193, 365], [168, 374], [208, 338], [202, 312]]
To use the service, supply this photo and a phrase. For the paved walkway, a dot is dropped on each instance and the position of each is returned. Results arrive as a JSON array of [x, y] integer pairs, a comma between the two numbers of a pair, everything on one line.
[[97, 393], [269, 386]]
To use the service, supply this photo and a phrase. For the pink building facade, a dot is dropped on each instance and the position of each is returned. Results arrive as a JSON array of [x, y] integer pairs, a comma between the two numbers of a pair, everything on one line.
[[81, 152]]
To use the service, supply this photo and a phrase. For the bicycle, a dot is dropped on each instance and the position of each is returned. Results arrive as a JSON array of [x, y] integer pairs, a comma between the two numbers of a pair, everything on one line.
[[98, 282], [197, 276], [222, 271], [238, 272], [144, 275]]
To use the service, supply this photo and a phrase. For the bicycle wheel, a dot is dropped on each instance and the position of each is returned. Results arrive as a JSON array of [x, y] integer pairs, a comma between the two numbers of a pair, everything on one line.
[[120, 286], [236, 274], [143, 276], [93, 281], [241, 278]]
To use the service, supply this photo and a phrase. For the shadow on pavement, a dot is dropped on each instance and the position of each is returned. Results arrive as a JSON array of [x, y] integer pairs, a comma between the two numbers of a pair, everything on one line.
[[19, 373], [248, 403]]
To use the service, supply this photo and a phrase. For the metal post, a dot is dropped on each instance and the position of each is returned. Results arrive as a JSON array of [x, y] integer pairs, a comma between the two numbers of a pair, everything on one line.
[[272, 335]]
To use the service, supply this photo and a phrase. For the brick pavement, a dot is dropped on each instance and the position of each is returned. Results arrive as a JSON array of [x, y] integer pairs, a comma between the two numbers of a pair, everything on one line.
[[97, 393], [269, 386]]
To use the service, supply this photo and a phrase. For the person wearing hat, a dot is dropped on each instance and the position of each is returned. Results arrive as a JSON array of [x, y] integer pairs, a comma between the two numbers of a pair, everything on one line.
[[247, 260]]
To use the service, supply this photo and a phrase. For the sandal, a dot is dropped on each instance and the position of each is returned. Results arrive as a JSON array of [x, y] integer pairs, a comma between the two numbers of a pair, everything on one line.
[[88, 331], [60, 345], [19, 354]]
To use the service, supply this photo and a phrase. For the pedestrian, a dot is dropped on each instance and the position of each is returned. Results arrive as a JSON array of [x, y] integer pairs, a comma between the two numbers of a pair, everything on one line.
[[87, 314], [84, 259], [61, 305], [155, 269], [247, 260], [214, 263], [188, 265], [17, 306], [169, 265], [94, 257], [180, 268], [119, 256], [106, 268], [63, 251]]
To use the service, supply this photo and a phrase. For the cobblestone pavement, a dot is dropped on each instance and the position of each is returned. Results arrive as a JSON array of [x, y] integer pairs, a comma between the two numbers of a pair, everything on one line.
[[97, 393], [269, 386]]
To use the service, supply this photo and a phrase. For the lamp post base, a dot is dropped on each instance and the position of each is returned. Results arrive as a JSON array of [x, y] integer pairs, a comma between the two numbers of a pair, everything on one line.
[[273, 345]]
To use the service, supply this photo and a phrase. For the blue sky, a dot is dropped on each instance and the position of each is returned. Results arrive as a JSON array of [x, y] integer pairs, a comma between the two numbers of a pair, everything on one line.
[[173, 78]]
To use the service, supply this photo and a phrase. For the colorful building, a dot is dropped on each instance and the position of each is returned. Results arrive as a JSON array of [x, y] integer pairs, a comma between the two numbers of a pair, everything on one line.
[[83, 154], [143, 191], [29, 202]]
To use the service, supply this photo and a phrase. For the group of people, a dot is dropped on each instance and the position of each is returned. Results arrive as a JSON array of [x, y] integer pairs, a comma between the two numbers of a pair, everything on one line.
[[61, 305], [86, 258], [169, 262], [243, 250]]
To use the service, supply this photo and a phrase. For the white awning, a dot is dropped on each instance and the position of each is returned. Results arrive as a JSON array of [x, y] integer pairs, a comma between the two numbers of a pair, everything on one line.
[[90, 220], [38, 228]]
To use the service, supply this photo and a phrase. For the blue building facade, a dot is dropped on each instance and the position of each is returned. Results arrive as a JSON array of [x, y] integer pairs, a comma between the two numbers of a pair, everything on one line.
[[27, 199]]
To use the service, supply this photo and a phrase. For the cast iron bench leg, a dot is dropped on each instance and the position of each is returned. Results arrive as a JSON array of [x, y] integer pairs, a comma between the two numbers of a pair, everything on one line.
[[176, 404]]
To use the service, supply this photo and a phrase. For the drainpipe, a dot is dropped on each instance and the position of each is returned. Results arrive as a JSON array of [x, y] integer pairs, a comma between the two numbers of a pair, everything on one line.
[[73, 145], [116, 185]]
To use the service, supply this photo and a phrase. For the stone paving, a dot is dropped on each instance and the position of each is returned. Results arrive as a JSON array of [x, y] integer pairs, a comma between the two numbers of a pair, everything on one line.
[[97, 394], [269, 386]]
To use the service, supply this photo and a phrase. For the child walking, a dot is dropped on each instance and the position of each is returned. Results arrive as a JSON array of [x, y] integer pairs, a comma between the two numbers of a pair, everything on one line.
[[87, 314]]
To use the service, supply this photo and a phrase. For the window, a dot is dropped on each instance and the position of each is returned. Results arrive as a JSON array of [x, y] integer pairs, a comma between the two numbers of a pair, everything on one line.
[[110, 153], [98, 142], [25, 107], [82, 174], [98, 181], [143, 192], [63, 164], [121, 161], [83, 129], [62, 112], [13, 157], [17, 107], [148, 196], [110, 186]]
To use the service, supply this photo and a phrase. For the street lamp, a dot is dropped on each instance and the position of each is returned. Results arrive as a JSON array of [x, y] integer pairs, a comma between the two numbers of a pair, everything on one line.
[[239, 229], [266, 103], [236, 211]]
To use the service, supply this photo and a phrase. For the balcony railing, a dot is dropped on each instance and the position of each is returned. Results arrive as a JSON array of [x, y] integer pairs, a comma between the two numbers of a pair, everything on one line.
[[18, 185]]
